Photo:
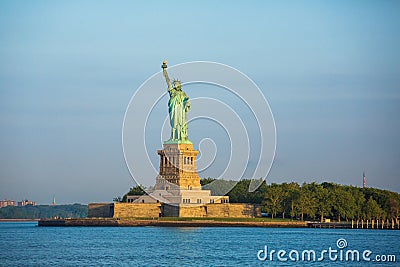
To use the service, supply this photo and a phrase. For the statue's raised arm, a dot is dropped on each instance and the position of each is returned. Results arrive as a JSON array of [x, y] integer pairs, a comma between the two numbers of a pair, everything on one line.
[[164, 67]]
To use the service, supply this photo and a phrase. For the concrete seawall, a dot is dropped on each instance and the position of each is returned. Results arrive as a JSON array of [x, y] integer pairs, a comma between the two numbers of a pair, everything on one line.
[[193, 222], [167, 223]]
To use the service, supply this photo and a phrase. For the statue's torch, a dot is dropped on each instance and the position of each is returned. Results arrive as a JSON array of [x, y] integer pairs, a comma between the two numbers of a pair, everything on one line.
[[164, 67]]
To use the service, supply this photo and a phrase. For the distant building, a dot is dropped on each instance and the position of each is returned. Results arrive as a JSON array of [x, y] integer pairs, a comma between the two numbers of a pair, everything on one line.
[[54, 201], [26, 202], [6, 202], [364, 180]]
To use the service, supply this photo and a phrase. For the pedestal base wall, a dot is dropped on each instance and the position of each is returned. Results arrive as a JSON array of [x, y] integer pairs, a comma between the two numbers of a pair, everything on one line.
[[154, 210]]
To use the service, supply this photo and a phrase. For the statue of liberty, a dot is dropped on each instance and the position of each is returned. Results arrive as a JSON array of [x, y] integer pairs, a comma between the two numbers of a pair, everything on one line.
[[178, 106]]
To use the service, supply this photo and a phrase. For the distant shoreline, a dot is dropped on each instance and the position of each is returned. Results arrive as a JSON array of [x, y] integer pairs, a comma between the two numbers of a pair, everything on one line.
[[19, 220]]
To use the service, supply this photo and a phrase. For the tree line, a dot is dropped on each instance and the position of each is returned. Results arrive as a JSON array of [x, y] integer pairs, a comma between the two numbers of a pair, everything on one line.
[[44, 212], [318, 201]]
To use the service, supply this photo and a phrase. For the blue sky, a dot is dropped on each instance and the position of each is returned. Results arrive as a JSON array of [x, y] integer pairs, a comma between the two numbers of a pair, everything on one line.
[[329, 69]]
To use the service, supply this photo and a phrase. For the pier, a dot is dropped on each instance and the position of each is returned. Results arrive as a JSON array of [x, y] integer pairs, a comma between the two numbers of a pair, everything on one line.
[[358, 224]]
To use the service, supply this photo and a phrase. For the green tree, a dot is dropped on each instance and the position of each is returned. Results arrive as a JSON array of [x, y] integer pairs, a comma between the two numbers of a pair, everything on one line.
[[294, 197], [134, 191], [372, 209], [306, 203], [273, 199], [394, 208], [291, 196], [240, 193], [382, 197], [359, 201], [324, 199], [205, 181], [344, 203]]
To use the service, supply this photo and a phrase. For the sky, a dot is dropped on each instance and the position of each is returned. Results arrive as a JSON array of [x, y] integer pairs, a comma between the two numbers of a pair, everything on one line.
[[330, 71]]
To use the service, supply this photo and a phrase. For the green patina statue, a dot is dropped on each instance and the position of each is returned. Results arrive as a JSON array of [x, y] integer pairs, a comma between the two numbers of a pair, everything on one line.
[[178, 106]]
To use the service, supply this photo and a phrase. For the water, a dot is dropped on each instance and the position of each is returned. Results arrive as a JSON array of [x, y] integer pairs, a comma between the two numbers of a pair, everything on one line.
[[26, 244]]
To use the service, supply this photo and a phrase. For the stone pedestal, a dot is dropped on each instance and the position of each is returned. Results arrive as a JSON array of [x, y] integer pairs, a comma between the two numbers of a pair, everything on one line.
[[178, 182], [178, 168]]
